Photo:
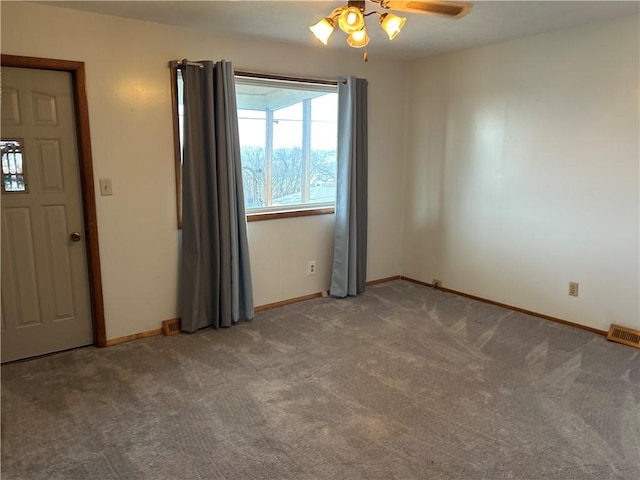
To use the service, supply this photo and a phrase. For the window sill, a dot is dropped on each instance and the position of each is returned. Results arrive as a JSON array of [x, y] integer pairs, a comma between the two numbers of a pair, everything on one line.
[[257, 217]]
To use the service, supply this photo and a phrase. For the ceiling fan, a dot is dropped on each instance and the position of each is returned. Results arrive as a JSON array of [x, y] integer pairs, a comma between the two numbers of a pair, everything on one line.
[[443, 8], [350, 18]]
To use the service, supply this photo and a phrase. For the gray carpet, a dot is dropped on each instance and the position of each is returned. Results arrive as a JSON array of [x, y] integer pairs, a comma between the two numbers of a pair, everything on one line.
[[403, 382]]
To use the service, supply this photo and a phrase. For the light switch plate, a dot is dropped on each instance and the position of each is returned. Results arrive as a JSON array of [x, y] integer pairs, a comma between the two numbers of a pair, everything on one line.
[[106, 187]]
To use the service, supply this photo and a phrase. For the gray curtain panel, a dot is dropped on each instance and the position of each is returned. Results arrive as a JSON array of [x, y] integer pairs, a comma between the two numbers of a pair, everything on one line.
[[349, 273], [215, 275]]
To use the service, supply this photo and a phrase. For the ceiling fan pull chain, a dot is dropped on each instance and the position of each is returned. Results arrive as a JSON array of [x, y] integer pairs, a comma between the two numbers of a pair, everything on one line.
[[366, 56]]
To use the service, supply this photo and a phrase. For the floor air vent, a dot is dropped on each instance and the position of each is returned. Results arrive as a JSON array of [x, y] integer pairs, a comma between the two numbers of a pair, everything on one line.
[[624, 335], [171, 327]]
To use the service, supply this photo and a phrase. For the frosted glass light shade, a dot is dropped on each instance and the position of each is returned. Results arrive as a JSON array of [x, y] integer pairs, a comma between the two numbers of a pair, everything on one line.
[[351, 20], [358, 39], [392, 24], [323, 29]]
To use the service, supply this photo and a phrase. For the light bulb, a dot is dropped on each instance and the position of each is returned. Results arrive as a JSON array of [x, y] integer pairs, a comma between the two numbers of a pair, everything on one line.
[[323, 29], [351, 20], [358, 39], [392, 24]]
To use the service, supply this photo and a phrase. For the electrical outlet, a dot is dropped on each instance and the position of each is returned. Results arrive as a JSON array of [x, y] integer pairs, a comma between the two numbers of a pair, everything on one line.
[[573, 289], [311, 268]]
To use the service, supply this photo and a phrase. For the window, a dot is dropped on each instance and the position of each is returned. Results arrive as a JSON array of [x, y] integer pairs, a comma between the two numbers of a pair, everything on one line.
[[288, 142], [288, 137], [13, 175]]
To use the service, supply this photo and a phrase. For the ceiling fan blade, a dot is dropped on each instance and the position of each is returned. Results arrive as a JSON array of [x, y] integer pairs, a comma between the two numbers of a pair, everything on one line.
[[438, 7]]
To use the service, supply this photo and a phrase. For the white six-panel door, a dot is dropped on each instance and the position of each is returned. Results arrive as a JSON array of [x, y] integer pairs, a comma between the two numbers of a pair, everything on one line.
[[45, 287]]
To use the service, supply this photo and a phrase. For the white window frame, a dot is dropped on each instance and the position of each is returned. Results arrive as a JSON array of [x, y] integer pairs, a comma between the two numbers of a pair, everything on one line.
[[305, 207]]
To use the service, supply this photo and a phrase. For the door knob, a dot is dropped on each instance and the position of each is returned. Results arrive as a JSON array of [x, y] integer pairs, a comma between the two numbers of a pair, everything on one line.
[[75, 237]]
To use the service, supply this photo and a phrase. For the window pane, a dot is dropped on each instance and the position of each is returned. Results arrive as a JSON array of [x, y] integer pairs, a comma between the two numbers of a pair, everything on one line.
[[324, 132], [251, 126], [287, 156], [13, 176], [180, 88], [288, 138]]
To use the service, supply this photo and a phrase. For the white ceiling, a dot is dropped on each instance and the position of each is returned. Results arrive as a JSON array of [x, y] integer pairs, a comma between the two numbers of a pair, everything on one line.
[[423, 35]]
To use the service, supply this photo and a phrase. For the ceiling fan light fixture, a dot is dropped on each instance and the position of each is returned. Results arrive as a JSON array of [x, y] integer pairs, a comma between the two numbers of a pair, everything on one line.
[[323, 29], [351, 20], [358, 39], [392, 24]]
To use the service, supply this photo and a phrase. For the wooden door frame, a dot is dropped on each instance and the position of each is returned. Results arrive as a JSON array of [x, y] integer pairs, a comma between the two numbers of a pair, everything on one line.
[[85, 162]]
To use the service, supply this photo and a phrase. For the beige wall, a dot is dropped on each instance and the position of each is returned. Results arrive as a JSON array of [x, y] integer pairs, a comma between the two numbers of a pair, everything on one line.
[[131, 135], [522, 173]]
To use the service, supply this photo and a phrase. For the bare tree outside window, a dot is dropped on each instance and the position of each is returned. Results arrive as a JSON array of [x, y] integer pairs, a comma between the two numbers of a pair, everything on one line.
[[288, 138], [288, 142]]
